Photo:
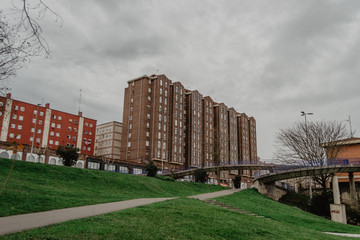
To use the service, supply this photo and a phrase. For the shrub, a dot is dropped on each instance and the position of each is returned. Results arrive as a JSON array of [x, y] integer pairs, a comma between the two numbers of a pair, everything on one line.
[[320, 203], [151, 169], [237, 181], [68, 154], [201, 175]]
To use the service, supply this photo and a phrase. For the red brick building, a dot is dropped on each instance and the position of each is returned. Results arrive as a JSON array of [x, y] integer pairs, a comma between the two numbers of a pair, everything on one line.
[[41, 126]]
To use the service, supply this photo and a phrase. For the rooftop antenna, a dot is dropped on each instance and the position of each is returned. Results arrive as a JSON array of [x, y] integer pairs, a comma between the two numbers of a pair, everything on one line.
[[349, 120], [80, 100]]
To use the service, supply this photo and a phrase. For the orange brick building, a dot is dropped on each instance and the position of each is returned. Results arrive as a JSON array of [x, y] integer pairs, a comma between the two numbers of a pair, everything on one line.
[[349, 153]]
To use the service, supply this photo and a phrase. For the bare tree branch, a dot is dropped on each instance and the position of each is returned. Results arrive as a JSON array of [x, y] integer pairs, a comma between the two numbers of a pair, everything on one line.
[[21, 35], [303, 145]]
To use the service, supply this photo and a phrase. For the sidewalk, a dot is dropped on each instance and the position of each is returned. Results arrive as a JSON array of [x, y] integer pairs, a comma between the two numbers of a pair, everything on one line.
[[22, 222], [215, 194]]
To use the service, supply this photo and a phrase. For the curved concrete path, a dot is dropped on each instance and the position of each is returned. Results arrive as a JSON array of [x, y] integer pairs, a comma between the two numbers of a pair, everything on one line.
[[22, 222], [215, 194]]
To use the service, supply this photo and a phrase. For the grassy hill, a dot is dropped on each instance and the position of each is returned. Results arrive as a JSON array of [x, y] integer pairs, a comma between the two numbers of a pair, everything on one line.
[[34, 187], [193, 219]]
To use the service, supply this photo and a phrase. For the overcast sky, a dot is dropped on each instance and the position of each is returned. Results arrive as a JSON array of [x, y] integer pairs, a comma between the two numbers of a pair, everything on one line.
[[269, 59]]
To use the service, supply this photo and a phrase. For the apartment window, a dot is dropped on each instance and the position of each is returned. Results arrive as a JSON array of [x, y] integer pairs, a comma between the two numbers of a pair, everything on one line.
[[14, 116], [149, 90], [85, 132], [69, 128], [70, 120], [148, 106], [159, 144], [51, 133], [165, 110], [129, 144], [35, 111], [21, 118], [18, 136], [164, 127], [148, 125], [38, 140], [129, 135], [165, 101], [58, 134], [175, 122], [131, 100], [160, 99], [31, 139], [34, 120], [54, 116], [51, 142], [148, 116], [11, 135], [147, 143], [160, 117], [59, 117], [148, 134], [166, 84], [68, 136], [91, 125], [159, 126], [16, 107], [160, 91], [86, 124], [40, 122], [12, 125], [58, 126], [130, 126], [39, 131], [89, 149], [149, 81], [161, 82], [56, 143], [76, 121], [165, 93], [160, 108], [75, 130], [149, 98], [22, 109], [132, 83]]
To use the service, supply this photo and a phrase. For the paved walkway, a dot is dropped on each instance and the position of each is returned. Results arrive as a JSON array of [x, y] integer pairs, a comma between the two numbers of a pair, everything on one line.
[[344, 234], [215, 194], [22, 222]]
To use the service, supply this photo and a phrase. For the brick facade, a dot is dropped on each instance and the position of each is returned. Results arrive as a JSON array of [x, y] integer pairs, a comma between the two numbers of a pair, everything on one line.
[[45, 127]]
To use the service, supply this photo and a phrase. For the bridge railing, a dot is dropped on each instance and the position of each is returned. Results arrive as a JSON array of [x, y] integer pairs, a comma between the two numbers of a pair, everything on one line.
[[225, 163], [327, 163]]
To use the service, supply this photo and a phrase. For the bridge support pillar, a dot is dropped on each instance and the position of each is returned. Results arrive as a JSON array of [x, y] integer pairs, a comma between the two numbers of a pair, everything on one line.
[[337, 210], [336, 190], [269, 189], [353, 195]]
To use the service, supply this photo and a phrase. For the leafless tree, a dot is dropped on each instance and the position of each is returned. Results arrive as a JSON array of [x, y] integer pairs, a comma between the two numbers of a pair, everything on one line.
[[108, 161], [21, 36], [303, 145], [40, 151]]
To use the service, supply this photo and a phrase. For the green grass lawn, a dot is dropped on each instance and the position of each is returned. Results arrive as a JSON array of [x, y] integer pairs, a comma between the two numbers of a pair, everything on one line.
[[35, 187], [175, 219], [252, 201]]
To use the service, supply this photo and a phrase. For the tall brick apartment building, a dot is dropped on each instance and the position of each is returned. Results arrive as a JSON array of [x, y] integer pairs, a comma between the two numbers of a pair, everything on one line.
[[39, 126], [176, 127]]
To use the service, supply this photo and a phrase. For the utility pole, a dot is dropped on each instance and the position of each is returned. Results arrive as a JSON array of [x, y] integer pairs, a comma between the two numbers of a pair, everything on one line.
[[306, 132], [349, 120]]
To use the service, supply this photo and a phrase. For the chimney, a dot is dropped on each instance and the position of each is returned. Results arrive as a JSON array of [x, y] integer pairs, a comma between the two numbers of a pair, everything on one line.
[[8, 95], [80, 114], [47, 105]]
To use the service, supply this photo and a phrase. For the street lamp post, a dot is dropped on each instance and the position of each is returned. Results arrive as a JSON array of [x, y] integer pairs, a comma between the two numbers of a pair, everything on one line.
[[306, 132], [32, 143]]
